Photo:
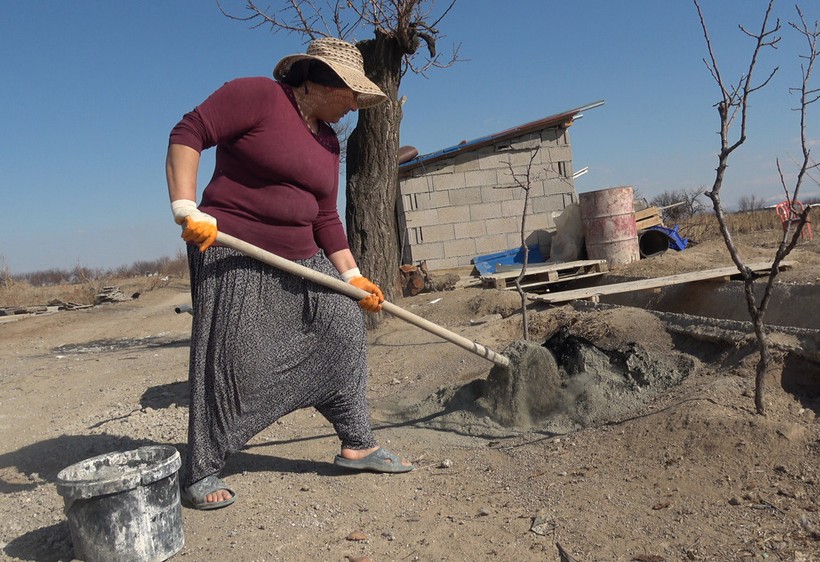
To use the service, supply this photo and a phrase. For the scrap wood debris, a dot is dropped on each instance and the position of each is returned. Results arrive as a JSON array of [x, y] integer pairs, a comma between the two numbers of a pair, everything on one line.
[[417, 278], [68, 305], [111, 294], [51, 307], [108, 294], [19, 310]]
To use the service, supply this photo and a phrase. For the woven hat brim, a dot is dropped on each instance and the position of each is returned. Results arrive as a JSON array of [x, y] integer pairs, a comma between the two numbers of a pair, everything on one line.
[[369, 94]]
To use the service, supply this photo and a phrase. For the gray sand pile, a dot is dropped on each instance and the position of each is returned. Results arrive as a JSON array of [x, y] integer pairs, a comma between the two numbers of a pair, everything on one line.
[[526, 393], [600, 369]]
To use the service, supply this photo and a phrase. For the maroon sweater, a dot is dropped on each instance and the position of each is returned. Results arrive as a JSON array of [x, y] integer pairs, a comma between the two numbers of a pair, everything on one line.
[[274, 182]]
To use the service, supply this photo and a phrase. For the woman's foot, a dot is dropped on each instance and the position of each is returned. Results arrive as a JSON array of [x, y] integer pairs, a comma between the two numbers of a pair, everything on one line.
[[218, 496], [209, 493], [376, 459]]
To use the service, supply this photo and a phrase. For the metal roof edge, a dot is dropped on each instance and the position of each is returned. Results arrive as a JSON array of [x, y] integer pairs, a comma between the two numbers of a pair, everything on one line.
[[519, 130]]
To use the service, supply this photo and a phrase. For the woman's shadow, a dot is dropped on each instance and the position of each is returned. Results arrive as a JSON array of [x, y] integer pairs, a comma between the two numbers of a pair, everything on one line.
[[38, 465], [25, 470]]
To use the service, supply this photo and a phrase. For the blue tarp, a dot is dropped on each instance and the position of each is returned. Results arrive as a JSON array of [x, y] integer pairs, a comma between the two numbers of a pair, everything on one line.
[[486, 264], [675, 241]]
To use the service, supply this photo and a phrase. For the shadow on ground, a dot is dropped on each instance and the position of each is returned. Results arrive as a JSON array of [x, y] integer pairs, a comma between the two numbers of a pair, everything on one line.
[[166, 395]]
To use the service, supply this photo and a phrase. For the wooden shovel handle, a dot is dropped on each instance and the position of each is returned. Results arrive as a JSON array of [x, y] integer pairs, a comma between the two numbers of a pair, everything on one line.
[[355, 293]]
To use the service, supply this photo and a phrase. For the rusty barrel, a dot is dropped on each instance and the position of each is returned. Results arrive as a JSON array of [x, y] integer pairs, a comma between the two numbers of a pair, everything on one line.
[[610, 232]]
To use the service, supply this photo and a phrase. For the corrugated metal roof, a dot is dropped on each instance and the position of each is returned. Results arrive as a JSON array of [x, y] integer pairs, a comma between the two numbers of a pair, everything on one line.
[[564, 118]]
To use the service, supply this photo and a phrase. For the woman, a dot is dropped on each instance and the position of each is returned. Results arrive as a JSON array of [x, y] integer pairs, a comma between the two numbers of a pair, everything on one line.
[[265, 343]]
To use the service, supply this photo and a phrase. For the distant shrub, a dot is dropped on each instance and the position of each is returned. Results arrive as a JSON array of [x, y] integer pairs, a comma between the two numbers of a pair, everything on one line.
[[82, 285], [679, 204], [176, 266], [750, 203]]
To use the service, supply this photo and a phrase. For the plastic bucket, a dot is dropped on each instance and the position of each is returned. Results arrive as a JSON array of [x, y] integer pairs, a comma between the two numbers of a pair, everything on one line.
[[124, 506], [610, 232]]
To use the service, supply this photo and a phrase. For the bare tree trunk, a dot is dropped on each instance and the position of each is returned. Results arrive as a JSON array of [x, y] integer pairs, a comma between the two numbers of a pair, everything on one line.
[[372, 170], [735, 103], [524, 181], [523, 272]]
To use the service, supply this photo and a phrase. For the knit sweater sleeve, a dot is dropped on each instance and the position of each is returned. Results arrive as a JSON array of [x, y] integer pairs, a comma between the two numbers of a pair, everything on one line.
[[227, 113], [274, 183]]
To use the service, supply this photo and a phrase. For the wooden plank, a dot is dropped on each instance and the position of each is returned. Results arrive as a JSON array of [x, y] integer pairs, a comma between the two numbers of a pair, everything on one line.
[[643, 284], [647, 213], [643, 224]]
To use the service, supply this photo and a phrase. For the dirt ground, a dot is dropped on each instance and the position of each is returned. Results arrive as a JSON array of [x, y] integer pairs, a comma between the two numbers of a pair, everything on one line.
[[648, 449]]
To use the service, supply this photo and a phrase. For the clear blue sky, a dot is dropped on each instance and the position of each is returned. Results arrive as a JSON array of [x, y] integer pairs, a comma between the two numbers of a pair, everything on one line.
[[90, 90]]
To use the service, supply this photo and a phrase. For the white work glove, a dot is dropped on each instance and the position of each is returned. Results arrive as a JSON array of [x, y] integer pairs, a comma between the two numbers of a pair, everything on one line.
[[197, 227]]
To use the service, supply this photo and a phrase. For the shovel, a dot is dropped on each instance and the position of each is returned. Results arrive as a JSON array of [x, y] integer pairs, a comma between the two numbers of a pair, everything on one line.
[[358, 294]]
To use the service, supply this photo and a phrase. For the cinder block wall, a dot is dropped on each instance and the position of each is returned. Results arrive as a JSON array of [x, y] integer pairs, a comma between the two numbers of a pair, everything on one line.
[[454, 209]]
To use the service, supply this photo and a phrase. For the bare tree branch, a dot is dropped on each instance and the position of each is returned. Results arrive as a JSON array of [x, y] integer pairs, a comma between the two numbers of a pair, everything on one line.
[[279, 20], [807, 96], [713, 67], [443, 15], [403, 19], [735, 98]]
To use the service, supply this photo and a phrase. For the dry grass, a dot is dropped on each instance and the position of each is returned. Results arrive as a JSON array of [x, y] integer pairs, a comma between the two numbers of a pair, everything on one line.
[[23, 294], [41, 288], [16, 292], [705, 226]]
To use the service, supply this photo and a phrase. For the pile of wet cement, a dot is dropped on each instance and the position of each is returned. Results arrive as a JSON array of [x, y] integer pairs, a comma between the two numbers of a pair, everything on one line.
[[566, 384]]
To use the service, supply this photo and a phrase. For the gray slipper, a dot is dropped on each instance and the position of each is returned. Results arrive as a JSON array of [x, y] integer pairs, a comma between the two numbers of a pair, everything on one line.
[[194, 495], [380, 460]]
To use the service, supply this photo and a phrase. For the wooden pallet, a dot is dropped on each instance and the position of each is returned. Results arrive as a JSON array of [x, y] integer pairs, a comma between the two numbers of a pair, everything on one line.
[[593, 293], [540, 275]]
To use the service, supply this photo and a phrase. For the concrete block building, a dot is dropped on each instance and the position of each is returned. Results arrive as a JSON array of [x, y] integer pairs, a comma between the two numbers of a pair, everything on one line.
[[467, 200]]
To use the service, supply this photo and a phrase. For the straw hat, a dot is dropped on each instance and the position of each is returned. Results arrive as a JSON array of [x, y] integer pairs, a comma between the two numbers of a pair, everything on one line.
[[345, 60]]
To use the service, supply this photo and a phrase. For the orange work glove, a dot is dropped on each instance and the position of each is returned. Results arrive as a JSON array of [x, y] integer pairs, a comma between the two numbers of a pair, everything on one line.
[[372, 302], [197, 227]]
